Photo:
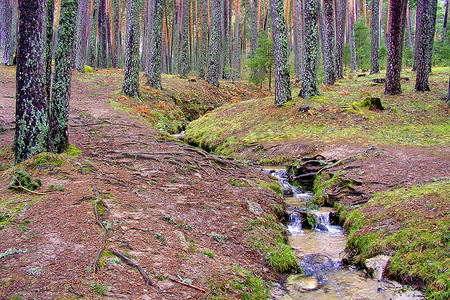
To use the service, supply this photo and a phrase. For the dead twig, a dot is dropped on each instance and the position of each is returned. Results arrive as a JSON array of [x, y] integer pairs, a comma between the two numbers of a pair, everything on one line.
[[97, 218], [186, 284], [134, 265]]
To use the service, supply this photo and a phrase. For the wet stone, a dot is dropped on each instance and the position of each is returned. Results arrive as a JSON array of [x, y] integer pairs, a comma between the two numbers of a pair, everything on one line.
[[376, 266], [304, 283]]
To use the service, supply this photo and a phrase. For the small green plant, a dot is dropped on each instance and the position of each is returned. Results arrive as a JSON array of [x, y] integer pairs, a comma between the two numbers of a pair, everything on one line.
[[99, 289], [22, 180], [23, 227], [55, 187], [221, 239], [72, 151], [234, 182], [88, 69], [173, 180], [273, 186], [159, 237], [12, 251], [170, 220], [34, 271], [209, 253]]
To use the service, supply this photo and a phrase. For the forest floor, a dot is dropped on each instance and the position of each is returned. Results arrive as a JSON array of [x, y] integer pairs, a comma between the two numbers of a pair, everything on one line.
[[184, 215], [178, 212]]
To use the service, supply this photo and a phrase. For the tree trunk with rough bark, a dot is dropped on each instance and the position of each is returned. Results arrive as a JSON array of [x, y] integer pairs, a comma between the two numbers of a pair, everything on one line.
[[59, 105], [298, 65], [8, 31], [351, 36], [81, 34], [31, 130], [395, 41], [116, 37], [131, 66], [176, 36], [237, 43], [340, 37], [184, 50], [92, 47], [212, 76], [102, 36], [49, 47], [425, 29], [444, 27], [375, 28], [204, 41], [328, 43], [311, 41], [448, 95], [280, 54], [155, 53]]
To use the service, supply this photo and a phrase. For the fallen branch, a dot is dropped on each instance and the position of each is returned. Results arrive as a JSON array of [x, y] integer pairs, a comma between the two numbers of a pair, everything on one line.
[[97, 218], [132, 264], [186, 284]]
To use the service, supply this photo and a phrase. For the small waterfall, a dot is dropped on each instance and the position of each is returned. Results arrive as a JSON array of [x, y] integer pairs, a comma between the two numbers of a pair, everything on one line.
[[295, 223], [324, 223]]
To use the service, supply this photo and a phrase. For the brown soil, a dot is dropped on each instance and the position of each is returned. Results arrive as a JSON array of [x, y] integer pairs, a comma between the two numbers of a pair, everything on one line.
[[167, 201]]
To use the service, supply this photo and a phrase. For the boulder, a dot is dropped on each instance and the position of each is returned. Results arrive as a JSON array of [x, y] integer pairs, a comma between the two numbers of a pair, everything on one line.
[[304, 283], [377, 265]]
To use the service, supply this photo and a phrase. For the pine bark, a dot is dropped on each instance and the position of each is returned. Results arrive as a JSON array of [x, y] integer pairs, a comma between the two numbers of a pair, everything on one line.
[[184, 49], [425, 29], [340, 37], [395, 42], [444, 27], [298, 65], [328, 43], [92, 47], [31, 107], [375, 28], [8, 32], [131, 66], [59, 105], [351, 35], [448, 95], [49, 47], [237, 43], [155, 54], [116, 36], [204, 41], [280, 54], [311, 41], [102, 36], [176, 36], [81, 34], [212, 76]]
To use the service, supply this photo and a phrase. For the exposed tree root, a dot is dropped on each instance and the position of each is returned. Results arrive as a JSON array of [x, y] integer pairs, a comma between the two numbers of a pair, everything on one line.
[[134, 265], [186, 284], [95, 265]]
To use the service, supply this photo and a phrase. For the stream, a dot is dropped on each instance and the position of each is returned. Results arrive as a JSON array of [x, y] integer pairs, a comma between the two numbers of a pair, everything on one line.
[[320, 253]]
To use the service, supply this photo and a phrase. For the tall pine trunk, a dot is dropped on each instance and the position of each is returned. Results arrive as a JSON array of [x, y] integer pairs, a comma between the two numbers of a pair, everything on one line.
[[8, 32], [340, 37], [204, 41], [81, 34], [49, 47], [116, 37], [395, 42], [31, 107], [237, 43], [351, 35], [154, 70], [212, 76], [311, 39], [59, 105], [280, 54], [374, 32], [444, 27], [176, 36], [131, 66], [298, 65], [184, 50], [102, 36], [328, 43], [92, 48], [425, 29]]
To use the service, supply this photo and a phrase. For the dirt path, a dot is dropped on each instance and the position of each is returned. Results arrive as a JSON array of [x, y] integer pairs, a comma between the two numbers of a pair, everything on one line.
[[168, 205]]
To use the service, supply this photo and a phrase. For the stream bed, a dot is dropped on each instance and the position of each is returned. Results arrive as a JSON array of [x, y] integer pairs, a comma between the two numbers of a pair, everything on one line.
[[320, 252]]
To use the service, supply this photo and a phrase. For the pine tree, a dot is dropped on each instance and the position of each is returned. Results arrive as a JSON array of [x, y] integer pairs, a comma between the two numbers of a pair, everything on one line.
[[395, 42], [59, 104], [49, 47], [102, 36], [131, 70], [81, 34], [298, 60], [184, 49], [280, 53], [8, 34], [92, 47], [204, 41], [375, 28], [328, 43], [212, 76], [154, 71], [340, 37], [116, 36], [31, 107], [425, 29], [311, 40]]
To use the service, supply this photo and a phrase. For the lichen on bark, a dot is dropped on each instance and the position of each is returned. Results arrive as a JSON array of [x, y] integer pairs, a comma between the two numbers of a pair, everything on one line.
[[131, 70], [154, 66]]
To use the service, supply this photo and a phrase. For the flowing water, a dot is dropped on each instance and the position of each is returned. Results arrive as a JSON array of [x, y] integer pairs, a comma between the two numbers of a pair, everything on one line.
[[320, 252]]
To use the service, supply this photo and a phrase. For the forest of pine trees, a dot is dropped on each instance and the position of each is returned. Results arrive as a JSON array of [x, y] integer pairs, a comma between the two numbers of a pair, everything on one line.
[[216, 39]]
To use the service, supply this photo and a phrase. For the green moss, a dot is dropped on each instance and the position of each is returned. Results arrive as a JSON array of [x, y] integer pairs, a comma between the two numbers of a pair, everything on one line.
[[273, 186], [413, 225], [88, 69], [72, 151]]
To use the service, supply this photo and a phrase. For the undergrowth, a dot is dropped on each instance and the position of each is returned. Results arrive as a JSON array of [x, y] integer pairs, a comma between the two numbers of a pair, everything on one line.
[[413, 225]]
